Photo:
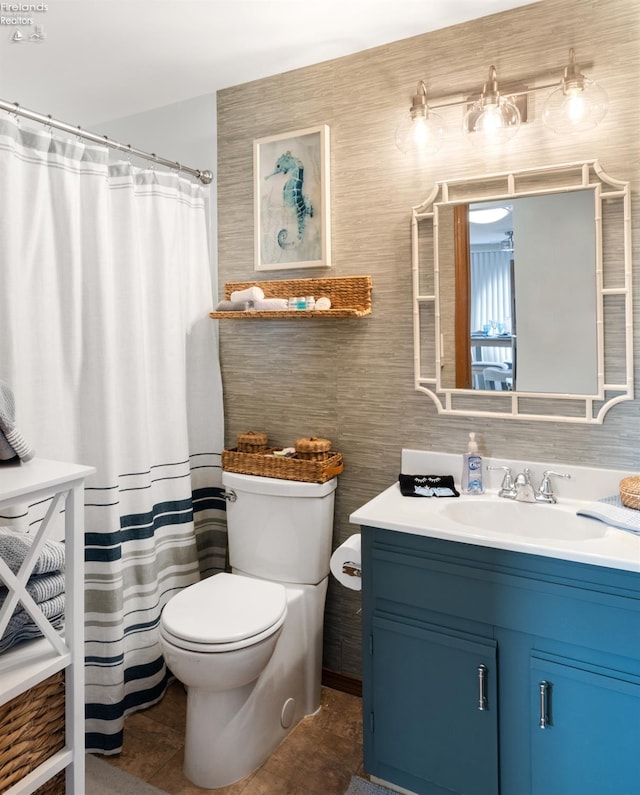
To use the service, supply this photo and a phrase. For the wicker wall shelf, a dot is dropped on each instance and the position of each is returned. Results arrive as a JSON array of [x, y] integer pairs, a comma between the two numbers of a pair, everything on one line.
[[350, 297]]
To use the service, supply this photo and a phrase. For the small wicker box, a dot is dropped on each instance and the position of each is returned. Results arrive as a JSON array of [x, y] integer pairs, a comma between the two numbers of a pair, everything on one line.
[[251, 442], [630, 492], [31, 731], [313, 449]]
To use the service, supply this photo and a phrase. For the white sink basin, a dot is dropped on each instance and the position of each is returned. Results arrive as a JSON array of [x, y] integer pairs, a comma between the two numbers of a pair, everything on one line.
[[529, 520]]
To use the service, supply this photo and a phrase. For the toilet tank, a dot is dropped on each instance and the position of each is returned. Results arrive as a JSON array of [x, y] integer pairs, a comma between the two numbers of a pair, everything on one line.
[[280, 529]]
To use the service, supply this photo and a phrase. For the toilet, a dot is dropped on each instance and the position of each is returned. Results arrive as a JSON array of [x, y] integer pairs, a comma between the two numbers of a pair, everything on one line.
[[247, 645]]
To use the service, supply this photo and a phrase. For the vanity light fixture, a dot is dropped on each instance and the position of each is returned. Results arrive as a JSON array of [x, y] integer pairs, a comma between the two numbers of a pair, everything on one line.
[[422, 129], [492, 119], [575, 104]]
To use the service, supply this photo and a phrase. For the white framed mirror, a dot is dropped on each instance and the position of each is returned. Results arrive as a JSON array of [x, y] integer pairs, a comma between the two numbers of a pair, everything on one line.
[[522, 294]]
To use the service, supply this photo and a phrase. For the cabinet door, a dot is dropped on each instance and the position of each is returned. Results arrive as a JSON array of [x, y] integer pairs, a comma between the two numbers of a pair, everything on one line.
[[434, 711], [591, 742]]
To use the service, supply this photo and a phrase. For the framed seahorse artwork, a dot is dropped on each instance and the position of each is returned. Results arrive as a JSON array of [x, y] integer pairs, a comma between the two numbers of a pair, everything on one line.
[[291, 200]]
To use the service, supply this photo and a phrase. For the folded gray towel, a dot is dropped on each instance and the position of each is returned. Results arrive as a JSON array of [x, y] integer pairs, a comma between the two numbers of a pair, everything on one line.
[[12, 442], [613, 512], [233, 306], [40, 588], [21, 625], [14, 546]]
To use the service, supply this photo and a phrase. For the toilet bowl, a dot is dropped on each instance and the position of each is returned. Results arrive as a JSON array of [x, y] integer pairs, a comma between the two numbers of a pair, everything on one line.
[[221, 632], [248, 644]]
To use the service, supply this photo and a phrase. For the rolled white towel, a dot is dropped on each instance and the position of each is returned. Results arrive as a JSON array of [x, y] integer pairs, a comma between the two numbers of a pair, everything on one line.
[[253, 293], [271, 304]]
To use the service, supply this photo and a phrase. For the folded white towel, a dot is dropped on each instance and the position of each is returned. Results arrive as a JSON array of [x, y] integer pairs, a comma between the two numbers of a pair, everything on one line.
[[271, 304], [254, 293]]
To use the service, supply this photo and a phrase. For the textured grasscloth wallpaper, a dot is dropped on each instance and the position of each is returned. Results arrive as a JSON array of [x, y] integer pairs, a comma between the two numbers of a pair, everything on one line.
[[352, 380]]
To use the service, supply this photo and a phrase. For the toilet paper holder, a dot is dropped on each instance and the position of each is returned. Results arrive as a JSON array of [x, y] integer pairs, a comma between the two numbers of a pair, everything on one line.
[[351, 569]]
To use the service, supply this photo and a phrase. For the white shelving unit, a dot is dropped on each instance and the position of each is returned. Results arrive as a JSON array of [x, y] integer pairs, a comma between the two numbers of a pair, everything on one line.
[[31, 662]]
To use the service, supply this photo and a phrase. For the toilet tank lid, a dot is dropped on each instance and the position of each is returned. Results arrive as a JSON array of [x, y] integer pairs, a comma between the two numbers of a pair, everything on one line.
[[277, 487]]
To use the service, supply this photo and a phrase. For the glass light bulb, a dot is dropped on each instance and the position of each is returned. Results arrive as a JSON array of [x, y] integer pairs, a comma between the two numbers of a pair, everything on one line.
[[491, 123], [422, 133], [576, 107]]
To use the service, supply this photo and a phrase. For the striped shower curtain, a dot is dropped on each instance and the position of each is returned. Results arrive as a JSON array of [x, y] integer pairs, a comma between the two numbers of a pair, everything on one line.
[[106, 341], [491, 296]]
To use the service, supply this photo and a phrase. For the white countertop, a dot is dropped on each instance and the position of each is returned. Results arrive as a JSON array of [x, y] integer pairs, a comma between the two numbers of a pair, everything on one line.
[[432, 517]]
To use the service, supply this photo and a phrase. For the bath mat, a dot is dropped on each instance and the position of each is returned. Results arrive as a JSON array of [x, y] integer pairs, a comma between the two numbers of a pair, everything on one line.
[[360, 786], [105, 779]]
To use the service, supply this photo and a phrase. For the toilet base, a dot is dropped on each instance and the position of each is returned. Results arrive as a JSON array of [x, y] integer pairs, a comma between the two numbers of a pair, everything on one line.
[[231, 733]]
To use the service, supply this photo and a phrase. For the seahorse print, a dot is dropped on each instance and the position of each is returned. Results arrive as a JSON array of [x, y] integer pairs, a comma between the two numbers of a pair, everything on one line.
[[292, 196]]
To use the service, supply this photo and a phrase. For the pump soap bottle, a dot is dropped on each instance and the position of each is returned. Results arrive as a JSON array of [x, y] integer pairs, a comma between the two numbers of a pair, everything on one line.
[[472, 468]]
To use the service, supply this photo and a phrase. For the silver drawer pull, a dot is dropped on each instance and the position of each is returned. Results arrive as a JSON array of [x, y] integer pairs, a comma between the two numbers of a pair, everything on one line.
[[544, 708], [482, 688]]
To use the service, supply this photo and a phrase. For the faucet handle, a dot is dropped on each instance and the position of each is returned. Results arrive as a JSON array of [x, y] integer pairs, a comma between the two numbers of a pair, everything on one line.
[[545, 492], [507, 489]]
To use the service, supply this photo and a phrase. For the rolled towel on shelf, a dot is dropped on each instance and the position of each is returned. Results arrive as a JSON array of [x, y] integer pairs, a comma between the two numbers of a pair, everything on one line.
[[271, 304], [254, 293], [232, 306]]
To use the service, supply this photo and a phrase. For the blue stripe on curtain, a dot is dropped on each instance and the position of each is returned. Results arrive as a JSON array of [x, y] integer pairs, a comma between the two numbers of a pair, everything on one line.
[[132, 702]]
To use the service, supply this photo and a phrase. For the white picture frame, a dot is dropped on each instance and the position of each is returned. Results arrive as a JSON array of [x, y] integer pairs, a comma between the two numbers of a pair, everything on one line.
[[292, 220]]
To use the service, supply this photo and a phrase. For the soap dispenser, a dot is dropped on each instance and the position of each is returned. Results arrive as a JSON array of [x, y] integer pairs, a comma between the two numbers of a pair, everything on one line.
[[472, 468]]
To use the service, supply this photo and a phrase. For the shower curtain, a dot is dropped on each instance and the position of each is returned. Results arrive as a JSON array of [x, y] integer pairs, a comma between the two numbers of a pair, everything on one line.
[[106, 341]]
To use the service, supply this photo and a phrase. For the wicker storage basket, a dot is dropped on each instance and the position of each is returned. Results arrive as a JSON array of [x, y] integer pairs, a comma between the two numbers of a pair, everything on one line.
[[270, 466], [630, 492], [31, 731], [313, 449], [350, 296], [55, 786], [251, 442]]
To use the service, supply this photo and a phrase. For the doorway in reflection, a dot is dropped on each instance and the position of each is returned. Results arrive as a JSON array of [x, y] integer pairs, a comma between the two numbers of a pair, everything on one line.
[[492, 320]]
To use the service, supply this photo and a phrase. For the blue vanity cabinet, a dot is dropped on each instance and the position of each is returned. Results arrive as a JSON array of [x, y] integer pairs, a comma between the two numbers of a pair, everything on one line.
[[450, 627]]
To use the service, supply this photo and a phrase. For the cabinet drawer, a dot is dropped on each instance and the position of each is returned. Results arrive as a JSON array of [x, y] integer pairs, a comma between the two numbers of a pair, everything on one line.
[[500, 590]]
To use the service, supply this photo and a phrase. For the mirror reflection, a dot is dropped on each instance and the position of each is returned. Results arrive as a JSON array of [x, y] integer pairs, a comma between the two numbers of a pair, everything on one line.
[[523, 271]]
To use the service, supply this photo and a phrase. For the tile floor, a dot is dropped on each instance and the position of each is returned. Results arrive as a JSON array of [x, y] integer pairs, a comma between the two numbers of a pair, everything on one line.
[[317, 758]]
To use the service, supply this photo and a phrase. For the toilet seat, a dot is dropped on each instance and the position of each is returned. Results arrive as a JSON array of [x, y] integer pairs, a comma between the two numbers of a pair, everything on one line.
[[223, 613]]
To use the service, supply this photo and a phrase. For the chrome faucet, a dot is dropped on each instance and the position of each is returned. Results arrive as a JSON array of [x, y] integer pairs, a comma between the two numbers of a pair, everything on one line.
[[524, 488], [545, 492], [521, 489], [507, 489]]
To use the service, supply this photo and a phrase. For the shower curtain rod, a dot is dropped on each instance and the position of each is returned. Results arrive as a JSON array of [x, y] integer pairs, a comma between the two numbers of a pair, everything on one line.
[[13, 107]]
